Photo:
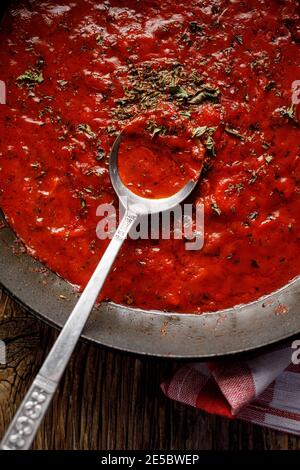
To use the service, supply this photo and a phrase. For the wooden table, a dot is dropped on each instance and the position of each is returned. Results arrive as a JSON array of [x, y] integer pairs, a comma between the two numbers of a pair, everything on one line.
[[108, 400]]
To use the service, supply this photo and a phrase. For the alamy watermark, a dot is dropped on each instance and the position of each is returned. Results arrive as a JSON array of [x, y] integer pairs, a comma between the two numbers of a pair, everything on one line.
[[296, 353], [296, 92], [2, 353], [183, 222], [2, 92]]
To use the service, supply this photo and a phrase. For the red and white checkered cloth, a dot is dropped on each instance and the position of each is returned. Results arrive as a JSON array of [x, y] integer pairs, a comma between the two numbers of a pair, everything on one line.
[[263, 389]]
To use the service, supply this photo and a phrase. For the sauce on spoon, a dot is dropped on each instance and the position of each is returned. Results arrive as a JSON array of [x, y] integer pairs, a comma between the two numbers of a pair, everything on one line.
[[158, 154]]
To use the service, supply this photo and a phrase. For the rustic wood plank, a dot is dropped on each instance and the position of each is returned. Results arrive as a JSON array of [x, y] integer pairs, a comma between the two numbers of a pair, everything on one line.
[[107, 400]]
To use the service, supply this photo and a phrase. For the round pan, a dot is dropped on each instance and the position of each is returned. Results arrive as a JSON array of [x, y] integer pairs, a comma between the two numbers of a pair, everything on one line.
[[242, 328]]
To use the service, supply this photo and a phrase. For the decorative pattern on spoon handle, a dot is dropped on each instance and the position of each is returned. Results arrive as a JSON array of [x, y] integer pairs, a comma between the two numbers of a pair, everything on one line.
[[27, 420], [125, 223]]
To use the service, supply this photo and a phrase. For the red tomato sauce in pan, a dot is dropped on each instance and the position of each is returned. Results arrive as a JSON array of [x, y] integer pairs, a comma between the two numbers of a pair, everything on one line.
[[77, 72]]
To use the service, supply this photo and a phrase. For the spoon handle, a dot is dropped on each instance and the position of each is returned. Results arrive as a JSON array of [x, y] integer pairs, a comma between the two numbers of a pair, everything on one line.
[[28, 417]]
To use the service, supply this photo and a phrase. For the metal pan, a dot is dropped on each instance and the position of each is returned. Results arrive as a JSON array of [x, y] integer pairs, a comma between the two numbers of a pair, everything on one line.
[[246, 327]]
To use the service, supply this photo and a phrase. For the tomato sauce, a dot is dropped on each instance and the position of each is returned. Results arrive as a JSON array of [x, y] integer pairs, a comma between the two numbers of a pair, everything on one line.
[[78, 72]]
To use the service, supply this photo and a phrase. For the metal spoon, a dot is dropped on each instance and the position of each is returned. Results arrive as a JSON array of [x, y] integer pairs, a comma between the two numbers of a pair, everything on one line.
[[26, 421]]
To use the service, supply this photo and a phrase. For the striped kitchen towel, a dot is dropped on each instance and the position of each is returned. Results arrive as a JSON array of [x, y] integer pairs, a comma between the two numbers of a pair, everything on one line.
[[263, 389]]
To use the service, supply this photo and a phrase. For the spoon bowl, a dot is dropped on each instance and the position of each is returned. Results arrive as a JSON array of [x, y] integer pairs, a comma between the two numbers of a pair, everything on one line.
[[136, 204]]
